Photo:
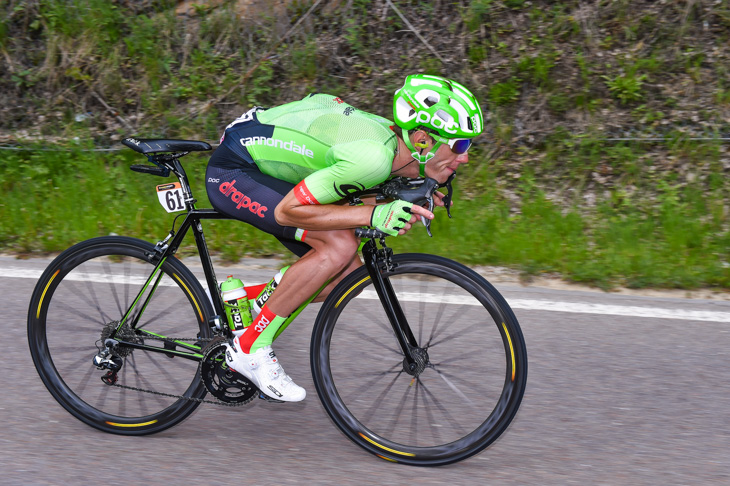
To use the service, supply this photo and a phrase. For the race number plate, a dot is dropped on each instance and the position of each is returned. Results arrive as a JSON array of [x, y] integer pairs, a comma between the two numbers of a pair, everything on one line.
[[171, 197]]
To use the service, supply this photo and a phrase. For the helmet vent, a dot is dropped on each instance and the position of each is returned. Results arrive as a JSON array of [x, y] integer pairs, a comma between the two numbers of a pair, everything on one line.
[[430, 101], [444, 116]]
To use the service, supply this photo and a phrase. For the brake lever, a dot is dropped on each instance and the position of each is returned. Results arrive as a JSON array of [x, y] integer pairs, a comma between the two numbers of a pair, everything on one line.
[[449, 193], [427, 222]]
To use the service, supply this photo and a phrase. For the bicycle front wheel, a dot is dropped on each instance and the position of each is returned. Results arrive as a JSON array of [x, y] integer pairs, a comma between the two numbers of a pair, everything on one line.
[[77, 304], [475, 369]]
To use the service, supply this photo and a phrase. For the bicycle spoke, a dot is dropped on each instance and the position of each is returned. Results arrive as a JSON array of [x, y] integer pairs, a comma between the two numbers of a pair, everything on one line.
[[113, 287], [444, 411], [354, 394], [86, 378], [75, 350], [451, 377], [372, 340], [399, 409], [460, 334], [454, 317], [85, 296], [378, 401], [161, 312], [435, 427]]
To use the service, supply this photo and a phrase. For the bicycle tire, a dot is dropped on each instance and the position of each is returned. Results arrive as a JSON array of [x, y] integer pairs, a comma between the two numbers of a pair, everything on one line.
[[82, 292], [477, 361]]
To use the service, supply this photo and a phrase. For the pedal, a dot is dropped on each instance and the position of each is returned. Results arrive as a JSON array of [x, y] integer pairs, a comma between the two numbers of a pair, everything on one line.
[[266, 398]]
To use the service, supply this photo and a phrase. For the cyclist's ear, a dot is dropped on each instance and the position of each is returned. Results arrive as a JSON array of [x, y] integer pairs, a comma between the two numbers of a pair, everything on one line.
[[420, 139]]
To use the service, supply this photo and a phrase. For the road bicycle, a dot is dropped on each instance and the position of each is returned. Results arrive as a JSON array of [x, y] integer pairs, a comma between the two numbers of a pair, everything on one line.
[[416, 358]]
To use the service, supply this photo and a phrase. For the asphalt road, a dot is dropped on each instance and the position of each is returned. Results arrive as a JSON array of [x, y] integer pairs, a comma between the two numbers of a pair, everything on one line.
[[642, 398]]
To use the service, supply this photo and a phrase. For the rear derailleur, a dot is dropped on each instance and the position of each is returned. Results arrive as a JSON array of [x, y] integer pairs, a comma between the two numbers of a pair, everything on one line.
[[105, 360]]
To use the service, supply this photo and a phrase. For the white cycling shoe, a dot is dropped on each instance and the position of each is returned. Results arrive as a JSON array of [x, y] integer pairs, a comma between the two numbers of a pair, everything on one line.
[[263, 369]]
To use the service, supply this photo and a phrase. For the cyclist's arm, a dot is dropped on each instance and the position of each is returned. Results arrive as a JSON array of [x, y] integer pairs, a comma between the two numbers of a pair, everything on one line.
[[359, 166], [322, 217]]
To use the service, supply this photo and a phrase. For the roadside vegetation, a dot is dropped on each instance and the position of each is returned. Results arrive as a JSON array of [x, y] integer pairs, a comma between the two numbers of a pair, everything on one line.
[[603, 160]]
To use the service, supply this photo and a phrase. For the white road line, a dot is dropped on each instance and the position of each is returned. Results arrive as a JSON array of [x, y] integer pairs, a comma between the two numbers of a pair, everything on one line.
[[574, 307], [524, 304]]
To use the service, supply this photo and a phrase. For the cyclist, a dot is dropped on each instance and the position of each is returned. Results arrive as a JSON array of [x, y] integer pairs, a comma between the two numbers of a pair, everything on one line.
[[287, 169]]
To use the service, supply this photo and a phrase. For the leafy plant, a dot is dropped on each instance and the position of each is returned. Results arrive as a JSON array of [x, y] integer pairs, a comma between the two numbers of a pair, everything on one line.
[[626, 88], [504, 93], [476, 14]]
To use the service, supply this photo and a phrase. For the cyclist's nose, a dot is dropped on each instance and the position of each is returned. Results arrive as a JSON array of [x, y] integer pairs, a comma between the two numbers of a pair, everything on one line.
[[463, 158]]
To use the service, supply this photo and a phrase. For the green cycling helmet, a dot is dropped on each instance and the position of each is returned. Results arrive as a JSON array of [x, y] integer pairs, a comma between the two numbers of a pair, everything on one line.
[[445, 108]]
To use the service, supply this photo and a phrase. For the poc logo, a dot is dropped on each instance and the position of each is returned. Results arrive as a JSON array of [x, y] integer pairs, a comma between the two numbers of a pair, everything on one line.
[[262, 324], [436, 121], [210, 179]]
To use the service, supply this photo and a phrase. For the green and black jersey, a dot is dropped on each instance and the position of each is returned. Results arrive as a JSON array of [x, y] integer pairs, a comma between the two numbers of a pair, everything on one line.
[[322, 144]]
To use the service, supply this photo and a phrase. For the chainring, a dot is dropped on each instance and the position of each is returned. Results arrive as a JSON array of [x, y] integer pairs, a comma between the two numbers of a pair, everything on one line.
[[222, 382]]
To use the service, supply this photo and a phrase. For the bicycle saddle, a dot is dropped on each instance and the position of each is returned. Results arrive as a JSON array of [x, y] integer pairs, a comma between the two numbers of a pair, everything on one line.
[[157, 145]]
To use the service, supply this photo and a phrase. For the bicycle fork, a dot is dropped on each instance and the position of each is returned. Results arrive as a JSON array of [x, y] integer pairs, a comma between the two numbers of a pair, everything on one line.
[[377, 262]]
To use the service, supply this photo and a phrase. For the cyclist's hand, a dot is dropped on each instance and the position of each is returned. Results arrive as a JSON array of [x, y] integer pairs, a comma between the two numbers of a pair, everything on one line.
[[396, 218]]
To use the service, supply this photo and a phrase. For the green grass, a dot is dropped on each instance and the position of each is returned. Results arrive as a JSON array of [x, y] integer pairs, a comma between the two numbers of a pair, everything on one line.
[[55, 199]]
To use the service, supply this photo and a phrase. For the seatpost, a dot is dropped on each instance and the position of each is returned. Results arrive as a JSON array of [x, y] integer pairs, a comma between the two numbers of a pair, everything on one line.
[[182, 177]]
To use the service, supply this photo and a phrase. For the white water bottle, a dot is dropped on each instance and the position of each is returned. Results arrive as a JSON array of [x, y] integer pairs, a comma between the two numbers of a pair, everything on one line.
[[265, 294]]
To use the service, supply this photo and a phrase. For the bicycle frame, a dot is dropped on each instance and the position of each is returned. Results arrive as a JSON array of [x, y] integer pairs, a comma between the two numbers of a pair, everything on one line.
[[163, 250]]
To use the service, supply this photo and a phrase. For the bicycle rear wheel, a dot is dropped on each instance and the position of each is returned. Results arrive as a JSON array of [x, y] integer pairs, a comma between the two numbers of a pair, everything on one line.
[[81, 298], [472, 384]]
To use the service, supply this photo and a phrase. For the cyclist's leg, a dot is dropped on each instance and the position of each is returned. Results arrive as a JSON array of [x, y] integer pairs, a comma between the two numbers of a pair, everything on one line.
[[354, 264], [237, 188], [332, 257], [240, 190]]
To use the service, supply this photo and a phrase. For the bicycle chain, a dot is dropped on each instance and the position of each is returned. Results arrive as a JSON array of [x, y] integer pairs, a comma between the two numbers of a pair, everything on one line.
[[169, 395]]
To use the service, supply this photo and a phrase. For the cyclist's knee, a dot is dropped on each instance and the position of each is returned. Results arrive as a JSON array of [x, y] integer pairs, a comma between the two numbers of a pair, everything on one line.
[[338, 247]]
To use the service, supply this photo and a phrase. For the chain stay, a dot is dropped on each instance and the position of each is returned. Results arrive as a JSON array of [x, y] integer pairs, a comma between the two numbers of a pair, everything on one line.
[[192, 399]]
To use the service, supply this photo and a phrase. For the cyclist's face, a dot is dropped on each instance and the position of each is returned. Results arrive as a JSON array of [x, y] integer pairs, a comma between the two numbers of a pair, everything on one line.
[[445, 163]]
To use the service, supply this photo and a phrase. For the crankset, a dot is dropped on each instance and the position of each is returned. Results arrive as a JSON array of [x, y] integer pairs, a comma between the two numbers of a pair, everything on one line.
[[222, 382]]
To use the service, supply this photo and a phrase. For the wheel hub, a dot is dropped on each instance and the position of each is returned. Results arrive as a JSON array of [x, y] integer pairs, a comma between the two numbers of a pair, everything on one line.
[[126, 333], [420, 356]]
